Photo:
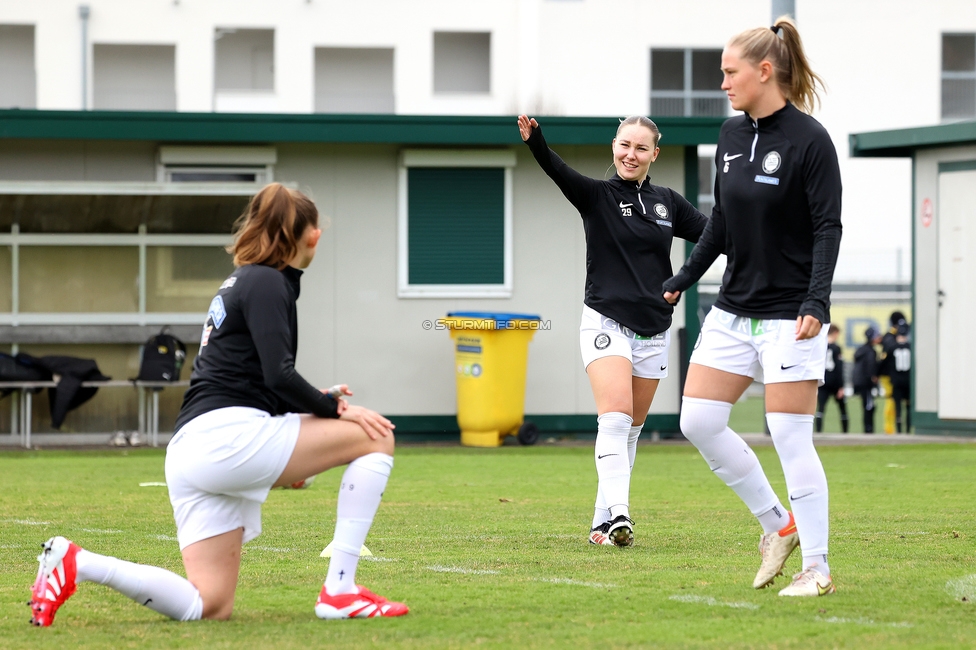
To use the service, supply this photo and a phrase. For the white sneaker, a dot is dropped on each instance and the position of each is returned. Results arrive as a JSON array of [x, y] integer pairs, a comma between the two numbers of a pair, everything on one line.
[[775, 549], [118, 440], [136, 439], [809, 583]]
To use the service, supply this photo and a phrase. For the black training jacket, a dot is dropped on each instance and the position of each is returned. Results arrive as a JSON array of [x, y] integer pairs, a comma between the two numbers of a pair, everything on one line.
[[629, 227], [834, 371], [247, 352], [776, 218]]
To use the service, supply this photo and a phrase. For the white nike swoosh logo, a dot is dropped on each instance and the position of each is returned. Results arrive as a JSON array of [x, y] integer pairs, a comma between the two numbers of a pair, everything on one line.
[[628, 205], [728, 157]]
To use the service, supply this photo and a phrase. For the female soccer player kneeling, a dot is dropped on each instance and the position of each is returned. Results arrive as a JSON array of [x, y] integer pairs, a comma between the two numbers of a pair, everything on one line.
[[249, 422]]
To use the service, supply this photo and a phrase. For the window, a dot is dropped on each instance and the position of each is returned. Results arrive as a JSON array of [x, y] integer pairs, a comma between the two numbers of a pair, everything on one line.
[[18, 80], [353, 80], [958, 76], [244, 74], [462, 62], [687, 83], [455, 224], [253, 165], [113, 254], [244, 59], [134, 77]]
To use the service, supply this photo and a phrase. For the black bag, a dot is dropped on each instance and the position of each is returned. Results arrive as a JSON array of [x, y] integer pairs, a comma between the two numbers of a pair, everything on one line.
[[162, 358], [21, 368]]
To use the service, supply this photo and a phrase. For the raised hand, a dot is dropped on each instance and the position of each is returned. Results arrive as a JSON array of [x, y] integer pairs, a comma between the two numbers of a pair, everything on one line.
[[526, 124]]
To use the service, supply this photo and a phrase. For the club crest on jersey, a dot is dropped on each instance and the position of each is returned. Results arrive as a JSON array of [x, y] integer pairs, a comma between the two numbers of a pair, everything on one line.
[[217, 313], [601, 342], [771, 162], [660, 210]]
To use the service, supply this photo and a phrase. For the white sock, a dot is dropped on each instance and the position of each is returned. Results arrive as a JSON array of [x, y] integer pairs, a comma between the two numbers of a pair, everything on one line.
[[806, 482], [635, 432], [705, 423], [613, 462], [158, 589], [359, 497], [601, 513]]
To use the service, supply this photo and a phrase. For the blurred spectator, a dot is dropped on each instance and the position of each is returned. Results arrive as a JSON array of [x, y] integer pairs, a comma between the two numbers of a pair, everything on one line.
[[885, 367], [901, 377], [865, 378], [833, 381]]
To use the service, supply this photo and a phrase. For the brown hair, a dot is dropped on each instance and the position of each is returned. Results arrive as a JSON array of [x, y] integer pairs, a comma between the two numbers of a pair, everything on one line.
[[796, 80], [642, 121], [271, 226]]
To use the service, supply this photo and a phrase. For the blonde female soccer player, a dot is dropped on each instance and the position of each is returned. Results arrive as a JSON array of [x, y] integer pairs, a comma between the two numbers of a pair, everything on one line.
[[777, 219], [629, 224]]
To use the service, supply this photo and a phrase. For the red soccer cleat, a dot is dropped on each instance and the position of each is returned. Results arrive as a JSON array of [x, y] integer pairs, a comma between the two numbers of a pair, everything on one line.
[[364, 604], [56, 580]]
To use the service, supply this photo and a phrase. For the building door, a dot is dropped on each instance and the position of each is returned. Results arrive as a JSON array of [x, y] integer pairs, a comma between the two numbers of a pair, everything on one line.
[[957, 308]]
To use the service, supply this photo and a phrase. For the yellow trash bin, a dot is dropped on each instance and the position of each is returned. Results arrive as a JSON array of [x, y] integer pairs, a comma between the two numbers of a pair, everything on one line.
[[491, 355]]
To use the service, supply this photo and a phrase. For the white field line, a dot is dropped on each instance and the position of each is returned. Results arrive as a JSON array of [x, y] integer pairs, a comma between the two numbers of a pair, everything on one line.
[[167, 538], [11, 546], [454, 569], [99, 531], [377, 558], [711, 602], [964, 587], [848, 533], [152, 484], [861, 621], [272, 549], [26, 522], [578, 583]]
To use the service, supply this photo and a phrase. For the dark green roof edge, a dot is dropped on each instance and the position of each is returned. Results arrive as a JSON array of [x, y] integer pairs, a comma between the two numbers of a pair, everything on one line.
[[901, 143], [268, 128]]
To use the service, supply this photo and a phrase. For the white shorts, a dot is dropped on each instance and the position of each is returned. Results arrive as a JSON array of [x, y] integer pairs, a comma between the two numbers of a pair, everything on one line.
[[766, 350], [220, 467], [604, 337]]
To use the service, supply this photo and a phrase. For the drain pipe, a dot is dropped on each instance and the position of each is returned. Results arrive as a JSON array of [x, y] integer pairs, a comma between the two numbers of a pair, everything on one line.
[[784, 8], [83, 12]]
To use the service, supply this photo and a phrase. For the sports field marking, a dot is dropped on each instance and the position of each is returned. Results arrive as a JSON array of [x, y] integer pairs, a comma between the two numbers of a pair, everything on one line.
[[10, 546], [272, 549], [167, 538], [964, 587], [577, 583], [861, 621], [711, 602], [896, 465], [152, 484], [375, 558], [99, 531], [26, 522], [455, 569]]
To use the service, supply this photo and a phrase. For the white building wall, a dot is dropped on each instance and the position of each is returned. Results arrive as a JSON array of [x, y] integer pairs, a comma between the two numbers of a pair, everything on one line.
[[881, 61]]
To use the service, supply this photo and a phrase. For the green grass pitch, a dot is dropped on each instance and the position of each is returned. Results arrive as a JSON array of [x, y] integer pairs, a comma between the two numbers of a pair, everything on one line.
[[488, 548]]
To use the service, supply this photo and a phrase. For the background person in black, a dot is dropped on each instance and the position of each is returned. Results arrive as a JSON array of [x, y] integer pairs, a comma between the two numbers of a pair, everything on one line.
[[777, 219], [901, 378], [865, 376], [629, 225], [240, 434], [833, 385], [885, 368]]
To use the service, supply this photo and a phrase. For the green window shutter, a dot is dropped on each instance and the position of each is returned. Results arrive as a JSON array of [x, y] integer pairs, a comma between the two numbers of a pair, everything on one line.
[[456, 225]]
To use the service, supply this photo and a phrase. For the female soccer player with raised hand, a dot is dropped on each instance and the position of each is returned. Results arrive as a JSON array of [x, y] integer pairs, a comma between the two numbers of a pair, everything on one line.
[[624, 339], [239, 433], [777, 219]]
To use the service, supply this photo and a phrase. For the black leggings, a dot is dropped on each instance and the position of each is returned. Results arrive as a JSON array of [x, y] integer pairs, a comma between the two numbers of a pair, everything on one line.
[[902, 394], [868, 400], [824, 393]]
